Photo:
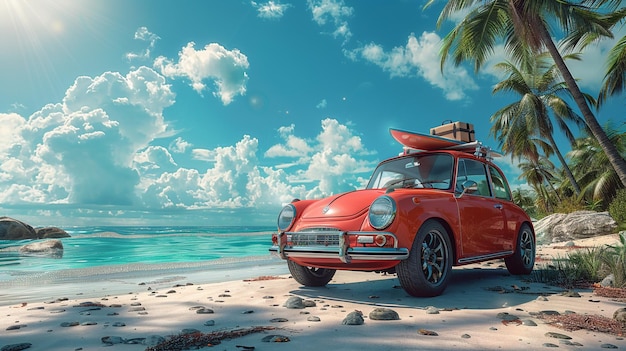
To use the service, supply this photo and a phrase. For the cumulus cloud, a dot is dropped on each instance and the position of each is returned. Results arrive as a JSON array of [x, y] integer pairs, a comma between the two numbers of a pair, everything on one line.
[[330, 161], [82, 150], [227, 69], [333, 13], [143, 34], [236, 180], [420, 57], [179, 145], [270, 9]]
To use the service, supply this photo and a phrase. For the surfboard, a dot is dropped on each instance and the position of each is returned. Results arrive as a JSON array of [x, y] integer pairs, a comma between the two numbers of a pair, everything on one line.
[[428, 142], [421, 141]]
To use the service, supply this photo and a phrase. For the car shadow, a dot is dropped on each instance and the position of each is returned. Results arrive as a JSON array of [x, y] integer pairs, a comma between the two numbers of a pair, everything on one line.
[[469, 288]]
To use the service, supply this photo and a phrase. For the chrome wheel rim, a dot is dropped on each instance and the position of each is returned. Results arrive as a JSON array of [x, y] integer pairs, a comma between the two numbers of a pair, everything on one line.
[[527, 248], [434, 257]]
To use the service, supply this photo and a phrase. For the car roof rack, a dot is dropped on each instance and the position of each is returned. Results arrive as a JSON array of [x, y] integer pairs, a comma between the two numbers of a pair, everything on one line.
[[475, 147]]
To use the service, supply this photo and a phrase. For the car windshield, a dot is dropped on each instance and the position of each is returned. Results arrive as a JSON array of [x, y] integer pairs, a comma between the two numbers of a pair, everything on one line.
[[414, 171]]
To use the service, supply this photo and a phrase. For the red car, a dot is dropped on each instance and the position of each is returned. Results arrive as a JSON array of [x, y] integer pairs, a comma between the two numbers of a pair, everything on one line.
[[420, 214]]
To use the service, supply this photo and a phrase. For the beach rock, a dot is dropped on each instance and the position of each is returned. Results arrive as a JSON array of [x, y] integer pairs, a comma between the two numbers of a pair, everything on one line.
[[110, 340], [47, 248], [294, 302], [16, 347], [558, 336], [427, 332], [384, 314], [12, 229], [608, 281], [275, 338], [561, 227], [620, 315], [354, 318], [51, 233]]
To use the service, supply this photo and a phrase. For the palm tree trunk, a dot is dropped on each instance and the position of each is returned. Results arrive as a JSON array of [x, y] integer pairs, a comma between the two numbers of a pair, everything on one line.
[[618, 163], [568, 172]]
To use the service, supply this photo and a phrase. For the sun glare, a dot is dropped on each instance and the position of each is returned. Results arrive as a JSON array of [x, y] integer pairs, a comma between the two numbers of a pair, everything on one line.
[[24, 18]]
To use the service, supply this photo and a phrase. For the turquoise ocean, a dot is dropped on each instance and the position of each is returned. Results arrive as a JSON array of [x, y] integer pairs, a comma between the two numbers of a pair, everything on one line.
[[99, 257]]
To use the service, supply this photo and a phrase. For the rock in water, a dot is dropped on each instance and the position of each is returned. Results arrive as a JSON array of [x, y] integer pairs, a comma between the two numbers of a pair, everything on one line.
[[51, 233], [48, 248], [12, 229]]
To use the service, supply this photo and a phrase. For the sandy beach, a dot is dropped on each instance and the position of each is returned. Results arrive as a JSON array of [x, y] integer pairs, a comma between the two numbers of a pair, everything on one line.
[[483, 308]]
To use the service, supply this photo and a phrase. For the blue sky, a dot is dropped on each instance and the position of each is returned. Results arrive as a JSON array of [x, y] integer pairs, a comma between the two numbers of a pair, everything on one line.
[[218, 112]]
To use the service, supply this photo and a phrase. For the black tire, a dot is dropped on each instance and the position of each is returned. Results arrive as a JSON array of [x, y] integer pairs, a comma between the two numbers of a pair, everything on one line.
[[310, 276], [427, 270], [523, 260]]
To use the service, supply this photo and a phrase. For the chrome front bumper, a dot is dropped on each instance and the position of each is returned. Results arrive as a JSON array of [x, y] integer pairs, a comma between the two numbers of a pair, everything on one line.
[[335, 244]]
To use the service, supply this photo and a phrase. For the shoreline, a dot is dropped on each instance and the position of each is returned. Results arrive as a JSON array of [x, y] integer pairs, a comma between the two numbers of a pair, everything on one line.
[[483, 308]]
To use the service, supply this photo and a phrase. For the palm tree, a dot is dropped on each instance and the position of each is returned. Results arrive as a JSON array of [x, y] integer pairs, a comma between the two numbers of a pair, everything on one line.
[[536, 82], [589, 163], [615, 78], [525, 24], [524, 199], [540, 175]]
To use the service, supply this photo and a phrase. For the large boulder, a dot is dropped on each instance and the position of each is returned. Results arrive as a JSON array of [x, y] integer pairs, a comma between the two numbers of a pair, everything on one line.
[[12, 229], [47, 248], [51, 233], [560, 227]]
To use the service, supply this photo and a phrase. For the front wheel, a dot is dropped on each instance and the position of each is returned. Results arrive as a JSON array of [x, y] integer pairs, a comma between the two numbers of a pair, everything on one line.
[[310, 276], [427, 270], [523, 260]]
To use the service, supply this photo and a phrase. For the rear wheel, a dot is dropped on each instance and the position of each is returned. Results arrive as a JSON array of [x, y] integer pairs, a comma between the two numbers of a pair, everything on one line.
[[523, 260], [426, 271], [310, 276]]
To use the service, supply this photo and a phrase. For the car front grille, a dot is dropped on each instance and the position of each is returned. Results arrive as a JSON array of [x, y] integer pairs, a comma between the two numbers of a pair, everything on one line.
[[316, 237]]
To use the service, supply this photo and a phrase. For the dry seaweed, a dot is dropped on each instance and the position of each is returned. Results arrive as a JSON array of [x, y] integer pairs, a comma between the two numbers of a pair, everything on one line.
[[596, 323], [197, 340]]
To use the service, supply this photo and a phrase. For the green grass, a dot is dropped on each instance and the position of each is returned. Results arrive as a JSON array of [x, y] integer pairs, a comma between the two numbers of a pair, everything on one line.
[[585, 267]]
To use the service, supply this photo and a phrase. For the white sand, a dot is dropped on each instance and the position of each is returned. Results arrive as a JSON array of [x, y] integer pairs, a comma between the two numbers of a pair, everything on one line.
[[469, 307]]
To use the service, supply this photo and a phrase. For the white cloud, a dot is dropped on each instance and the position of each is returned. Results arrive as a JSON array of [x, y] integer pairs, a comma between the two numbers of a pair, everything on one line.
[[226, 69], [236, 180], [420, 56], [143, 34], [179, 145], [335, 12], [82, 150], [330, 161], [322, 104], [270, 9]]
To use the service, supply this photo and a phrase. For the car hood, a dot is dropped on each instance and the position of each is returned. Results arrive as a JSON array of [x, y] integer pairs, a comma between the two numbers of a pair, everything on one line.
[[349, 204]]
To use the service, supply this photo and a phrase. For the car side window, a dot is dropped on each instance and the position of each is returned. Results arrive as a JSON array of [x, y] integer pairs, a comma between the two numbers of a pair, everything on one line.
[[500, 187], [474, 171]]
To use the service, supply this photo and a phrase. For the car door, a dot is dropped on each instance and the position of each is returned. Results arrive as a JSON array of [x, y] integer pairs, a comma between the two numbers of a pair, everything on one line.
[[481, 216]]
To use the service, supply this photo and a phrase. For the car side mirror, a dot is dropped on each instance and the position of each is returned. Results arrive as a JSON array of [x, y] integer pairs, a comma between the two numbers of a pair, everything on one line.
[[469, 187]]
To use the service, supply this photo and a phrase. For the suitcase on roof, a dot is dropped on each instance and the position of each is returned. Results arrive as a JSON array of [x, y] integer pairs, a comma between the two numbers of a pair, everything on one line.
[[461, 131]]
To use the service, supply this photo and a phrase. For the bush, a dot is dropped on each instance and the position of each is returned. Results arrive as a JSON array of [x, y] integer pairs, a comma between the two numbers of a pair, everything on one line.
[[617, 207], [569, 205]]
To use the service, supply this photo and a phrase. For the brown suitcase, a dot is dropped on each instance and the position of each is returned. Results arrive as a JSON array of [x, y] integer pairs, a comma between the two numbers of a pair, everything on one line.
[[455, 130]]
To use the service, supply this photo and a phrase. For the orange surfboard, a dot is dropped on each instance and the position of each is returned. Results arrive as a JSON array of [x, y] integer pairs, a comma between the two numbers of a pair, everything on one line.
[[420, 141], [428, 142]]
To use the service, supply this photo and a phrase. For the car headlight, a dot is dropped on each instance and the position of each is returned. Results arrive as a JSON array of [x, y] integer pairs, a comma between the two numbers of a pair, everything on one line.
[[286, 217], [382, 212]]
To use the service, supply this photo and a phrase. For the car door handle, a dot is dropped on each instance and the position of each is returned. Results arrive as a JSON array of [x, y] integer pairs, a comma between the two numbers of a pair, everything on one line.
[[498, 206]]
